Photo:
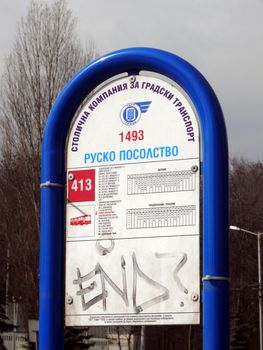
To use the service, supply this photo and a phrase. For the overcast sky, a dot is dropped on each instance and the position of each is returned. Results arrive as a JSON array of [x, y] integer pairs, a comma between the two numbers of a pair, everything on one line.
[[223, 39]]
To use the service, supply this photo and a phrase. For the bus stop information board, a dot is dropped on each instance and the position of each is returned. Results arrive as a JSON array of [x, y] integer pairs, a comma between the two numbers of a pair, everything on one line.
[[132, 212]]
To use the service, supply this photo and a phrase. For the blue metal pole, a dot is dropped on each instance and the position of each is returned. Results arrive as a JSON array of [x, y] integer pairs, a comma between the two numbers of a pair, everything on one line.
[[51, 276], [215, 189], [215, 242]]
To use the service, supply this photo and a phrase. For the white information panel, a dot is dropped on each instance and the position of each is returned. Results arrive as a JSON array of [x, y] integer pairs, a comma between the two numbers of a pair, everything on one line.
[[132, 212]]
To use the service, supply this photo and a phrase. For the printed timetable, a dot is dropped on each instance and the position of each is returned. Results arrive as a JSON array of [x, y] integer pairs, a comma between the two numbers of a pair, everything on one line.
[[172, 181]]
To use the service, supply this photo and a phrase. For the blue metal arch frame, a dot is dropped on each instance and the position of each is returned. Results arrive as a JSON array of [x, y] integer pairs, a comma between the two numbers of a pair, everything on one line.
[[215, 189]]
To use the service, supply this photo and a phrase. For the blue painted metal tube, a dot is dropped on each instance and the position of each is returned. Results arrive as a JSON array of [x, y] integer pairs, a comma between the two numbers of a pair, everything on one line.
[[215, 189], [51, 276]]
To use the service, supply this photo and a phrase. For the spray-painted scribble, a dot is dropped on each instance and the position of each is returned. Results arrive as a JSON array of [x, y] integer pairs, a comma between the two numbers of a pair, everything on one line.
[[101, 250], [123, 293], [103, 276], [178, 267], [153, 301], [78, 208]]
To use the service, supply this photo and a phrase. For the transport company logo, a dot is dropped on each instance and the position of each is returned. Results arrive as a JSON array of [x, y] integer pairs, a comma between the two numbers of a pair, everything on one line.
[[131, 112]]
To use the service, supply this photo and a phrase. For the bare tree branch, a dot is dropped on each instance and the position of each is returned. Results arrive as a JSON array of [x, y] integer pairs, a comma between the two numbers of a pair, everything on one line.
[[45, 55]]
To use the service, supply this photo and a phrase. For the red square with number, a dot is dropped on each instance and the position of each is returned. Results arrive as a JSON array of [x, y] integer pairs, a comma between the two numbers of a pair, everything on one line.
[[81, 185]]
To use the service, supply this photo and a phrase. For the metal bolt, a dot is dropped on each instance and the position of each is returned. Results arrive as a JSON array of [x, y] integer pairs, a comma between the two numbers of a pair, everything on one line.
[[70, 177], [69, 300], [195, 297], [194, 168], [132, 79], [139, 309], [181, 304]]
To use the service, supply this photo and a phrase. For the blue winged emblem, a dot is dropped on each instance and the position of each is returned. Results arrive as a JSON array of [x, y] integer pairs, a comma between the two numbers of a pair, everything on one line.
[[144, 106]]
